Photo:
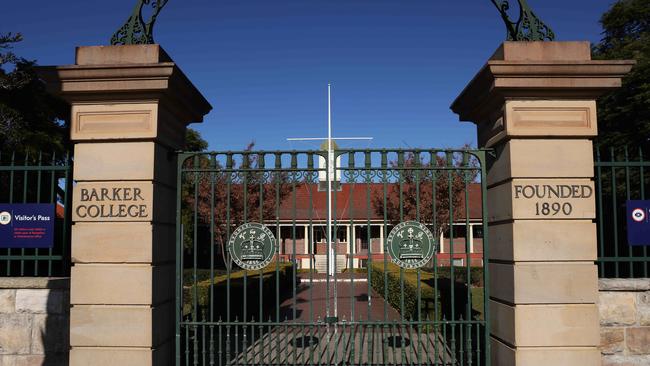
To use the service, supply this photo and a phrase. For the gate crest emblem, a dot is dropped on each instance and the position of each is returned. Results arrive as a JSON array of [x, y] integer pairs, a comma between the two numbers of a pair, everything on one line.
[[411, 245], [252, 246]]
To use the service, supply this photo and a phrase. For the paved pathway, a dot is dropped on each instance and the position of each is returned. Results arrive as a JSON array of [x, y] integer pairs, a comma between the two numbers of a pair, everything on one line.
[[354, 300], [292, 343], [304, 339]]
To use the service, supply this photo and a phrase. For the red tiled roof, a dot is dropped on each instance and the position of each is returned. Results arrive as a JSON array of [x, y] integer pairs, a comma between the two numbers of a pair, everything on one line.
[[352, 202]]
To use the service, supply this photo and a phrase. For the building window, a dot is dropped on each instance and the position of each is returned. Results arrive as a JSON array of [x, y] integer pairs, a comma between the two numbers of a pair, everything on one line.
[[341, 233], [458, 262], [286, 232], [460, 231], [320, 233], [477, 231]]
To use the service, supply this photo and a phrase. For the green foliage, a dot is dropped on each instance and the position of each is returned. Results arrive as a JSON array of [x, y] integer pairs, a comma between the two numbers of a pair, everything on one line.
[[436, 306], [31, 120], [194, 141], [624, 115], [460, 274], [202, 274], [478, 302], [392, 293], [220, 290], [354, 270]]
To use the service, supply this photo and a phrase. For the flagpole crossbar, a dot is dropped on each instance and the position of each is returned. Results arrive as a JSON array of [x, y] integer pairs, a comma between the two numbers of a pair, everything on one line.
[[325, 138]]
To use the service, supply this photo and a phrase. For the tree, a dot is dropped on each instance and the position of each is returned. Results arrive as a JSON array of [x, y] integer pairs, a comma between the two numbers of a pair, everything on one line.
[[417, 179], [194, 141], [624, 115], [31, 120], [222, 195]]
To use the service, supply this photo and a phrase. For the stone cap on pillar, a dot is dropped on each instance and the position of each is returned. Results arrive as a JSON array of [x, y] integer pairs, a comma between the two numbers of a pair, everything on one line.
[[536, 71], [127, 92]]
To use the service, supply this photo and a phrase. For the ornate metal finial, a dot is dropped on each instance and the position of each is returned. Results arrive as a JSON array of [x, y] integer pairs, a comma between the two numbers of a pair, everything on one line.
[[136, 30], [528, 27]]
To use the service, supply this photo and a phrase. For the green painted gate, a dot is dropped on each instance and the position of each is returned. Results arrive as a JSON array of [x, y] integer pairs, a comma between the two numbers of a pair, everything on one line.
[[307, 297]]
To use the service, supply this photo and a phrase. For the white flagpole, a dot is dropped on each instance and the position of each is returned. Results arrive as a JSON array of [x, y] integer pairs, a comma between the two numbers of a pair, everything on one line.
[[331, 168], [330, 252]]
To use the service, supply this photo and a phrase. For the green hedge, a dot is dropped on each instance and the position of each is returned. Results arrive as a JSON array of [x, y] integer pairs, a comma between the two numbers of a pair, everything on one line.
[[201, 275], [219, 301], [391, 290], [460, 274], [354, 270], [429, 299]]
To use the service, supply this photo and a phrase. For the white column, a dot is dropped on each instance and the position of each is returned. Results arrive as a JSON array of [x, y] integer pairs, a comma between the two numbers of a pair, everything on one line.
[[381, 239], [349, 237], [306, 241], [471, 238]]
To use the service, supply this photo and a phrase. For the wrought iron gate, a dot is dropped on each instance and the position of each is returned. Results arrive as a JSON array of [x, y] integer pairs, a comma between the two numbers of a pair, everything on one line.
[[307, 297]]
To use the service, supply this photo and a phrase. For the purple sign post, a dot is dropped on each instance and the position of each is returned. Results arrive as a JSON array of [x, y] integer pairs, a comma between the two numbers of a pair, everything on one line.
[[27, 225]]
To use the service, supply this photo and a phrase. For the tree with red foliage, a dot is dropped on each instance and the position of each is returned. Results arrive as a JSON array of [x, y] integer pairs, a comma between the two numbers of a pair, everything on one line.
[[232, 195], [418, 182]]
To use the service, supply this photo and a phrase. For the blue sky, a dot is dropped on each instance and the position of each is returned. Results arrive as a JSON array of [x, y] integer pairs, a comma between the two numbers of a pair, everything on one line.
[[396, 65]]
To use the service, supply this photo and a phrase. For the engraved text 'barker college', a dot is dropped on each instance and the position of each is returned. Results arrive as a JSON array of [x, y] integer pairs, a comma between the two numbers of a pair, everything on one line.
[[111, 203]]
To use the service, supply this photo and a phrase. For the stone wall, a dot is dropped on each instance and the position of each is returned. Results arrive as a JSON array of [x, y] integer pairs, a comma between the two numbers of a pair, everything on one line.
[[625, 321], [34, 321]]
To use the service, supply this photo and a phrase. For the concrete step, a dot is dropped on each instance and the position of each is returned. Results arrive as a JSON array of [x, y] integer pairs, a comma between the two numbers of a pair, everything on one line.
[[321, 263]]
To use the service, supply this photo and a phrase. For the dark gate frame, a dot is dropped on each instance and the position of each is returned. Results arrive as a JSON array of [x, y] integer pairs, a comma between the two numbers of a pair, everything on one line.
[[214, 340]]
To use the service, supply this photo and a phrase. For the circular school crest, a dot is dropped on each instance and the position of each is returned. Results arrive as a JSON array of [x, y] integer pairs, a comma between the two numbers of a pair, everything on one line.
[[252, 246], [410, 244]]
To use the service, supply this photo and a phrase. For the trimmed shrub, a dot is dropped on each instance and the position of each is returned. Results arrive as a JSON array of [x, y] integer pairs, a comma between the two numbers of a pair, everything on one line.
[[219, 300], [355, 270], [460, 274], [202, 274], [430, 298], [390, 289]]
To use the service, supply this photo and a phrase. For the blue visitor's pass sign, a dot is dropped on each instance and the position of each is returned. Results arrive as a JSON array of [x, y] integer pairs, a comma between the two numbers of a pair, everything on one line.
[[638, 222], [27, 225]]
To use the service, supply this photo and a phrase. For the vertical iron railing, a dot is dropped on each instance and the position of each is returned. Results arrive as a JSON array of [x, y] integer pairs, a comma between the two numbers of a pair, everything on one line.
[[283, 314], [38, 178], [621, 174]]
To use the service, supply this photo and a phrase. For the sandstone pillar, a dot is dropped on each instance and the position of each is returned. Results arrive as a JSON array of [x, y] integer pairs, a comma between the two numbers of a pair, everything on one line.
[[130, 108], [534, 104]]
